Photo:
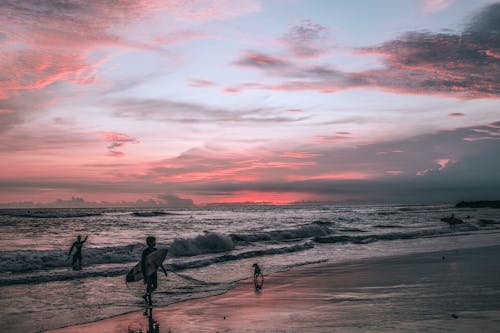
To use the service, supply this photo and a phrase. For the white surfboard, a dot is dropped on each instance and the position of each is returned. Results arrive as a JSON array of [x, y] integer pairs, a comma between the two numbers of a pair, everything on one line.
[[153, 261]]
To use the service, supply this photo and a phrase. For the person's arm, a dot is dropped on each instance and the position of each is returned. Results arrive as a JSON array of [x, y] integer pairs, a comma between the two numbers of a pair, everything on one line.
[[163, 269], [85, 239]]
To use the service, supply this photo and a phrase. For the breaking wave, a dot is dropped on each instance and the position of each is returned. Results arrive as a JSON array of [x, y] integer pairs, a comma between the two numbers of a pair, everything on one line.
[[370, 238], [31, 260], [210, 242], [307, 231], [151, 214]]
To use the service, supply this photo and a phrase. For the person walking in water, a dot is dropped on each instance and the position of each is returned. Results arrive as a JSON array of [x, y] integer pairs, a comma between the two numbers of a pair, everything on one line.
[[151, 281], [77, 256]]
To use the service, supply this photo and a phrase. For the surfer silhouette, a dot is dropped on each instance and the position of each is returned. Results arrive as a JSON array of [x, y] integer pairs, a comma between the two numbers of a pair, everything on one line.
[[151, 280], [77, 256], [258, 278]]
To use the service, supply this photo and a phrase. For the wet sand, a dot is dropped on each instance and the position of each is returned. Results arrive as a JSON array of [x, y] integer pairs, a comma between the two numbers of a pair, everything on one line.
[[453, 291]]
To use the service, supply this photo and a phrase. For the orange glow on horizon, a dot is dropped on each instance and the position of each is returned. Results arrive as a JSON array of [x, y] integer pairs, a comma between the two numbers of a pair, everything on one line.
[[254, 197]]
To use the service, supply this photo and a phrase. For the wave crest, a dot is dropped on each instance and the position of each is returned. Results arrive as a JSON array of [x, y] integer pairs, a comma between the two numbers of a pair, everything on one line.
[[210, 242], [307, 231]]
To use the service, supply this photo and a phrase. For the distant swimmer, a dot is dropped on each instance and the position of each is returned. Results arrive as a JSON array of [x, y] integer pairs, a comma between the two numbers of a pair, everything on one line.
[[452, 220], [77, 255], [258, 278]]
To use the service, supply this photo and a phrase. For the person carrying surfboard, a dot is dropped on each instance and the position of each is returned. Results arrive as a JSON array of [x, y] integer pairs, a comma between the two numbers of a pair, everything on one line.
[[151, 280], [77, 256]]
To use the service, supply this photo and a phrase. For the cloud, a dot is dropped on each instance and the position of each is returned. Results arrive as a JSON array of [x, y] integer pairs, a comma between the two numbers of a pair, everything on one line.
[[488, 132], [306, 40], [28, 70], [464, 65], [22, 106], [48, 42], [496, 124], [181, 36], [201, 83], [231, 90], [207, 165], [434, 6], [260, 60], [116, 140], [172, 111], [76, 24], [174, 201], [207, 10], [335, 138], [457, 169], [456, 114], [440, 165], [299, 154]]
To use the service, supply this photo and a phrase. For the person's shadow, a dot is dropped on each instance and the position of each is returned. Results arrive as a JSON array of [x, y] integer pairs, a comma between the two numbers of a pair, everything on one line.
[[153, 326]]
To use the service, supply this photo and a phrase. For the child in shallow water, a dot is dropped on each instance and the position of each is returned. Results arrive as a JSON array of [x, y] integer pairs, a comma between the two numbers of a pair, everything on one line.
[[258, 278]]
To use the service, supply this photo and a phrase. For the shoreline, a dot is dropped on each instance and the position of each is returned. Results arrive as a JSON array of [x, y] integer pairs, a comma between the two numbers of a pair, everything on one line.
[[320, 297]]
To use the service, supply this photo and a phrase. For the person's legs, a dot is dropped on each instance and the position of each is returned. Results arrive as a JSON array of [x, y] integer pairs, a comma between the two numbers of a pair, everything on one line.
[[79, 256], [154, 282]]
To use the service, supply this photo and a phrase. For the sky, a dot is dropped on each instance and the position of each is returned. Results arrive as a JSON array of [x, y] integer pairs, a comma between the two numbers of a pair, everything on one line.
[[210, 101]]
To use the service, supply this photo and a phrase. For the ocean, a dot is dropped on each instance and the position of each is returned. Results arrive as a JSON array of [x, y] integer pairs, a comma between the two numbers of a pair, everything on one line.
[[210, 249]]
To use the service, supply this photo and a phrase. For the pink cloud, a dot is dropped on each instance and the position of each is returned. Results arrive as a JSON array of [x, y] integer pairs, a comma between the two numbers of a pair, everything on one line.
[[443, 163], [56, 40], [456, 114], [207, 10], [294, 110], [329, 139], [349, 175], [232, 90], [32, 70], [300, 155], [434, 6], [495, 124], [260, 60], [201, 83], [116, 140], [489, 132]]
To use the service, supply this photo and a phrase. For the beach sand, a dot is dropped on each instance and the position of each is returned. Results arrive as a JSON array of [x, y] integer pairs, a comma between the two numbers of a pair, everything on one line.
[[452, 291]]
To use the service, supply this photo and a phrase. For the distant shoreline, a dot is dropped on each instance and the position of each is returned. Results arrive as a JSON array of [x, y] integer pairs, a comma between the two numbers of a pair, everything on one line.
[[479, 204]]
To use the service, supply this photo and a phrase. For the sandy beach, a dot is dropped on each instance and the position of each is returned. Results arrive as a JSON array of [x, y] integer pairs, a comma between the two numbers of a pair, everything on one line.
[[452, 291]]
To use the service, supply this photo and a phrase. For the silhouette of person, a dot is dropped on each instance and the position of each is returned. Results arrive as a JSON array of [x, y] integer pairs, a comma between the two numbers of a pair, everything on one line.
[[150, 281], [257, 272], [77, 256]]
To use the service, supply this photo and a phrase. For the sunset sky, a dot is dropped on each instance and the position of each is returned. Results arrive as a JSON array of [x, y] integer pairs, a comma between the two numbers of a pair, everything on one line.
[[234, 101]]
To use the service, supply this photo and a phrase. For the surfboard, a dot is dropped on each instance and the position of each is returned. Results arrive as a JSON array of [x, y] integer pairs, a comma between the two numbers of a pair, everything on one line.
[[153, 261]]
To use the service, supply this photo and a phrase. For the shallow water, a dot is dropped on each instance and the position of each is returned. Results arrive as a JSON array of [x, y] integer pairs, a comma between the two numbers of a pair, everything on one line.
[[211, 249]]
